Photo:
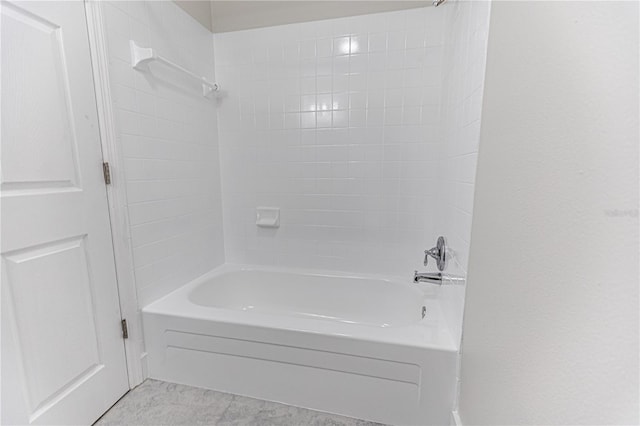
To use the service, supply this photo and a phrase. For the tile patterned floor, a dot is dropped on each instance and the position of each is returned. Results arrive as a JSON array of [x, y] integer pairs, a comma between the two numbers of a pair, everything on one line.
[[161, 403]]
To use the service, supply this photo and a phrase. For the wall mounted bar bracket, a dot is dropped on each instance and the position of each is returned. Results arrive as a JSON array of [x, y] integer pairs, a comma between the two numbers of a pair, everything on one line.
[[143, 55]]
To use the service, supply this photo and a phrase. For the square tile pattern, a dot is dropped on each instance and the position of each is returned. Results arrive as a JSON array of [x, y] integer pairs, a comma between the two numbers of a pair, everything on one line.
[[168, 136], [337, 123], [160, 403], [466, 36]]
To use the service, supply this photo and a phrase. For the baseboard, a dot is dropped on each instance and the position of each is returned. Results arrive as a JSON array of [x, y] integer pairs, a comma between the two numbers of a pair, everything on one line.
[[144, 362]]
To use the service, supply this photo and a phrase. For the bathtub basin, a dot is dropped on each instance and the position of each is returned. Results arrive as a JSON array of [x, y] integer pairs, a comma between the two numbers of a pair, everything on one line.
[[353, 300], [355, 346]]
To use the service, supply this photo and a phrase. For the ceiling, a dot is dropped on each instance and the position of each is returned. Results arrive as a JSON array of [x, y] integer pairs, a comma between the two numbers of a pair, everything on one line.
[[232, 15]]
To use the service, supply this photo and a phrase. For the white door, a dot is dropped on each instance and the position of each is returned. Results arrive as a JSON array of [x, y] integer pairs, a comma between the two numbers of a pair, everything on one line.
[[63, 356]]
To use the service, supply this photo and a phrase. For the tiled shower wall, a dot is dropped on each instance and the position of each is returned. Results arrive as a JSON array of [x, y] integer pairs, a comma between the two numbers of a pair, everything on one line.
[[335, 122], [363, 130], [168, 135], [466, 36]]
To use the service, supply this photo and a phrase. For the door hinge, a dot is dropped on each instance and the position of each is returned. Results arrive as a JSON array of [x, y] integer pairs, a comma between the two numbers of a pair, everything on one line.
[[107, 173], [125, 329]]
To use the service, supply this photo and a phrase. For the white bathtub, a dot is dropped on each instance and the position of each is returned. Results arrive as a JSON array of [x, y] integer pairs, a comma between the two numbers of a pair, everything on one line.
[[355, 346]]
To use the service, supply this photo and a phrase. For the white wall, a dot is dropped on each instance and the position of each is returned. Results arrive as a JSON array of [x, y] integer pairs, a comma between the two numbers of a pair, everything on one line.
[[344, 142], [551, 317], [466, 35], [168, 134]]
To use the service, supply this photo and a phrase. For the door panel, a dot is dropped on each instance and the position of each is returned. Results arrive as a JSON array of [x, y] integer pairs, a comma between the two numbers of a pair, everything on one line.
[[41, 310], [33, 43], [62, 350]]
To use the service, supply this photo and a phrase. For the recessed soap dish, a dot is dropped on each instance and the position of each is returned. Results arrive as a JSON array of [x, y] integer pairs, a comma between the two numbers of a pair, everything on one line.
[[268, 217]]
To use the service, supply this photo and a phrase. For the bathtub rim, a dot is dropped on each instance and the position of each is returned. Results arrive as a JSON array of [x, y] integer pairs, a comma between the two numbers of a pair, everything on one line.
[[431, 332]]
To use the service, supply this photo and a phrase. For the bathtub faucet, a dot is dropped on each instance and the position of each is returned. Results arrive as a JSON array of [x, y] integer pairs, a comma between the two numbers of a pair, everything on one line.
[[427, 277], [439, 253]]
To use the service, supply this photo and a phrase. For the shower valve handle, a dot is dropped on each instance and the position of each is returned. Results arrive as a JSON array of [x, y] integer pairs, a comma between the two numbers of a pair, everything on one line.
[[434, 252], [439, 253]]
